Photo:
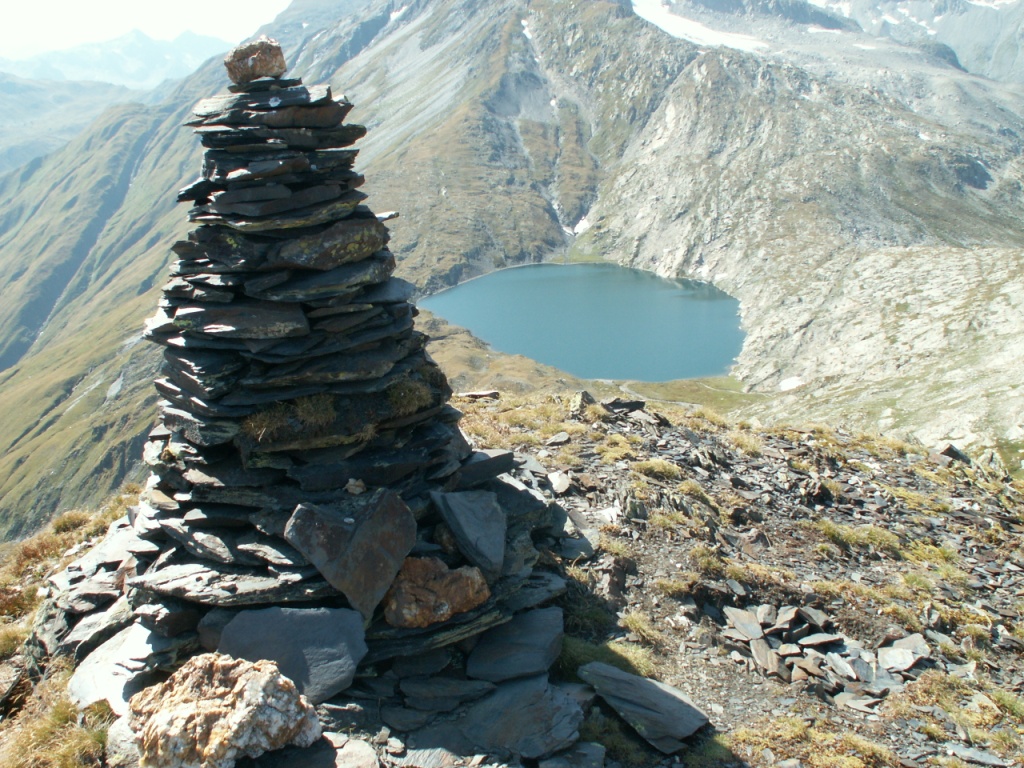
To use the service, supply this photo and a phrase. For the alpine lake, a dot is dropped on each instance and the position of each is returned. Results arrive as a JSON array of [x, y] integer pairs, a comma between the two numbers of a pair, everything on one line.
[[599, 321]]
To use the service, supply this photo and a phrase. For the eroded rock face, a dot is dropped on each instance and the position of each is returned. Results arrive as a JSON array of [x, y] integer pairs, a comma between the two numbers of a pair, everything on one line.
[[216, 709], [260, 58], [427, 592]]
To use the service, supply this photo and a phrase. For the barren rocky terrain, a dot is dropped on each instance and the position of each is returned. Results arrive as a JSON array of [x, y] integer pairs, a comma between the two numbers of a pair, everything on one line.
[[826, 598]]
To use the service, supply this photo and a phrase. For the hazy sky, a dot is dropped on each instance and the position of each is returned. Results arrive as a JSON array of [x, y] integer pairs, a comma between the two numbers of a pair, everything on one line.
[[34, 26]]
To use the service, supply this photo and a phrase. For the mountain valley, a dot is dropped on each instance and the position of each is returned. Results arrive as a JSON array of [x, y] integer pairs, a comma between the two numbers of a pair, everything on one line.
[[859, 195]]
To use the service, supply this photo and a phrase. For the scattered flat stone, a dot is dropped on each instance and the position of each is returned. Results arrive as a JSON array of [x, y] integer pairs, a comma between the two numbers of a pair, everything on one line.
[[766, 658], [767, 615], [442, 694], [317, 648], [561, 438], [866, 705], [814, 617], [405, 719], [436, 757], [841, 666], [744, 621], [586, 754], [529, 717], [485, 465], [94, 630], [423, 664], [787, 615], [976, 756], [358, 547], [819, 638], [120, 750], [526, 646], [915, 643], [663, 715], [169, 618], [539, 588], [896, 659], [560, 482]]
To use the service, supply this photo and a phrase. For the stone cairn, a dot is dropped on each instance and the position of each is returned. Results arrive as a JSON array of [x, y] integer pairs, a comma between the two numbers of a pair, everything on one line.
[[312, 500]]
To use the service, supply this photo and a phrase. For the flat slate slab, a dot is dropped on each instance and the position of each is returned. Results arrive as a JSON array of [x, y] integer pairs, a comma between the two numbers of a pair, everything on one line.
[[97, 628], [227, 587], [528, 717], [479, 525], [317, 648], [744, 621], [442, 694], [121, 667], [359, 547], [663, 715], [524, 647]]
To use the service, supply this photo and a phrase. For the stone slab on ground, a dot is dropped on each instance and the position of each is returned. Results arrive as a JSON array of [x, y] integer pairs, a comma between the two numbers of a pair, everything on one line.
[[528, 717], [663, 715], [121, 666]]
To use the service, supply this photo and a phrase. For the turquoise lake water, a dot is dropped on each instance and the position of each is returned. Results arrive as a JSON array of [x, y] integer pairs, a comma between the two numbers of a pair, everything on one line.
[[599, 321]]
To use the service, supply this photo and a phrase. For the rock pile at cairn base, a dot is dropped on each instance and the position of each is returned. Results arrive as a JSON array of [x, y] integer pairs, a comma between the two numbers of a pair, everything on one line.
[[216, 709], [312, 501]]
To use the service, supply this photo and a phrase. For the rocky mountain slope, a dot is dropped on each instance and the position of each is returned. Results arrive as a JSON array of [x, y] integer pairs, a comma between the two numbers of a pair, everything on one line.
[[984, 35], [861, 198]]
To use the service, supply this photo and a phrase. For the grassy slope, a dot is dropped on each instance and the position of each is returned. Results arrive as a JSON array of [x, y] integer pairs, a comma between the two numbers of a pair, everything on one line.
[[74, 407], [39, 117]]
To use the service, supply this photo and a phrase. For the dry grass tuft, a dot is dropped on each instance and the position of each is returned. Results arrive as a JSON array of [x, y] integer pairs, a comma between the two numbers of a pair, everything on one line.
[[640, 624], [49, 732], [860, 537], [659, 469], [745, 442]]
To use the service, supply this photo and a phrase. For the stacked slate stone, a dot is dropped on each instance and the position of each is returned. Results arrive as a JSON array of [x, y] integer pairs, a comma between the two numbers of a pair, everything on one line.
[[292, 376], [312, 501]]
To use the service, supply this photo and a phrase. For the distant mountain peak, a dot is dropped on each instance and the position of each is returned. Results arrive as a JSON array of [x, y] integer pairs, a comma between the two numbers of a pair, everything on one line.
[[133, 59]]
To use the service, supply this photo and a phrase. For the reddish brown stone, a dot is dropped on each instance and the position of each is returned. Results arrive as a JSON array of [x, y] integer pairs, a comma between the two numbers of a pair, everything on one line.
[[427, 592], [260, 58]]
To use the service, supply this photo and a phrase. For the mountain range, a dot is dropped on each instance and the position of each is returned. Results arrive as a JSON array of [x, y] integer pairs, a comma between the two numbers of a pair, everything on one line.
[[134, 60], [858, 189]]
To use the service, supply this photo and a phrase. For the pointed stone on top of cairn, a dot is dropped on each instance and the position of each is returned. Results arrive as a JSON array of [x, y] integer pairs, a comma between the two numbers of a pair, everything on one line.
[[262, 57]]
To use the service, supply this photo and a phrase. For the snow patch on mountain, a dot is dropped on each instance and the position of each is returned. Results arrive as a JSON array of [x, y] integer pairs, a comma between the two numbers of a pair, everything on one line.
[[660, 15]]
